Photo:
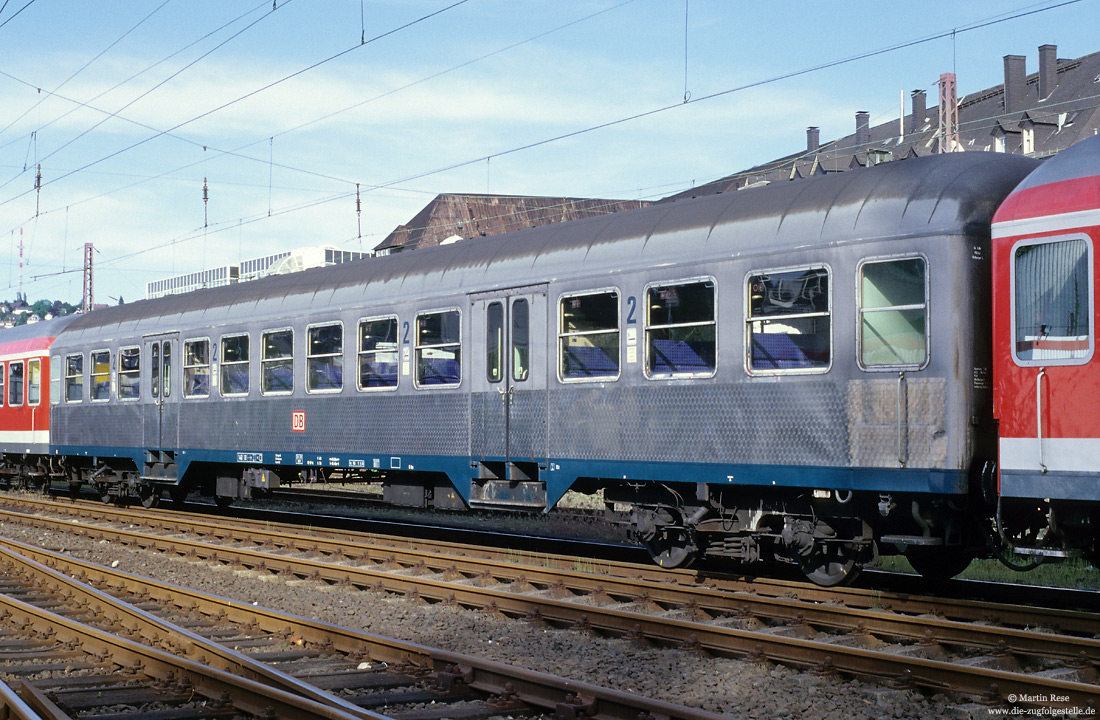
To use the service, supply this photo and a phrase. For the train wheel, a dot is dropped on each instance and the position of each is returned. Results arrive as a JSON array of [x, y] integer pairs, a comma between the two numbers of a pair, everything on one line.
[[178, 493], [671, 547], [938, 563], [223, 501], [149, 495], [831, 564]]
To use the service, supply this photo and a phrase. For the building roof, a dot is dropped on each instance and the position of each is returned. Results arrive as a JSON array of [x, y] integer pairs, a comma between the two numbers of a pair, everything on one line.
[[1068, 113], [451, 217]]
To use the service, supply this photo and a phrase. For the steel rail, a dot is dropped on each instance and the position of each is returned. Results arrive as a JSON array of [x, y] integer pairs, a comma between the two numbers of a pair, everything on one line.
[[511, 566], [131, 656], [824, 656], [184, 643], [532, 687]]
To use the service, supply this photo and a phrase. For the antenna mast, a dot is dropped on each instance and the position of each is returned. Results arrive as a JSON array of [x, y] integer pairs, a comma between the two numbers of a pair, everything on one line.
[[86, 304]]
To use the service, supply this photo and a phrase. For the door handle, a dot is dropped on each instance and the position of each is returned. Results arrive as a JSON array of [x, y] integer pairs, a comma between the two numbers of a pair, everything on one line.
[[1039, 414]]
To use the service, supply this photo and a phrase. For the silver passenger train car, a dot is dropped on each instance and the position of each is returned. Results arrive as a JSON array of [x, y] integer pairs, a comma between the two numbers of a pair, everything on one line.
[[798, 371]]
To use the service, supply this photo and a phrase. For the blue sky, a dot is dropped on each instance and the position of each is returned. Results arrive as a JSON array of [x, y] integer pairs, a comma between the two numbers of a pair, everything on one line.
[[128, 106]]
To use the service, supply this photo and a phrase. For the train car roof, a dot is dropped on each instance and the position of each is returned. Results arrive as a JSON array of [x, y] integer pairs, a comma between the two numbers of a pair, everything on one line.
[[33, 336], [938, 195], [1068, 182]]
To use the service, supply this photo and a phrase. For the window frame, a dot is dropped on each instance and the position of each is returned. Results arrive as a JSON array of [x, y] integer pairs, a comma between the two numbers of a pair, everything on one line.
[[561, 334], [646, 326], [22, 383], [69, 376], [747, 320], [92, 374], [894, 367], [129, 372], [359, 353], [339, 356], [185, 367], [264, 361], [1091, 314], [223, 363], [27, 375], [417, 347]]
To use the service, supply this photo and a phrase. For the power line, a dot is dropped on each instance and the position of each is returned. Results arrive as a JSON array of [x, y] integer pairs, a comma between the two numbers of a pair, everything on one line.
[[223, 106]]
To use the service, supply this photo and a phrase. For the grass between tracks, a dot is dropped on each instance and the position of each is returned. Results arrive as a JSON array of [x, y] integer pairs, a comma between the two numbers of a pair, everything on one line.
[[1074, 573]]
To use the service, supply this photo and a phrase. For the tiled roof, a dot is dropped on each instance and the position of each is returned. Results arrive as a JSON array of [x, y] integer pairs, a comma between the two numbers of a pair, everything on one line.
[[453, 216], [1067, 115]]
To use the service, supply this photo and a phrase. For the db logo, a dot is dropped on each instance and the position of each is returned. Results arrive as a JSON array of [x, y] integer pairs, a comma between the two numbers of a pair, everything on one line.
[[298, 421]]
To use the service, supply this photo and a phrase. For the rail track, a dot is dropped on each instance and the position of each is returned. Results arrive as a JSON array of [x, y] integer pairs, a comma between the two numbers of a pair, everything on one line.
[[113, 644], [985, 650]]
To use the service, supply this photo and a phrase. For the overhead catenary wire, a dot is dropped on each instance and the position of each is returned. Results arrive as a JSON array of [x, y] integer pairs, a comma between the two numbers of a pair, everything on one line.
[[711, 96]]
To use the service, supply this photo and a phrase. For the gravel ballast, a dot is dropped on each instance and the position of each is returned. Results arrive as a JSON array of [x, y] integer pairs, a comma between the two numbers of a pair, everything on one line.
[[736, 688]]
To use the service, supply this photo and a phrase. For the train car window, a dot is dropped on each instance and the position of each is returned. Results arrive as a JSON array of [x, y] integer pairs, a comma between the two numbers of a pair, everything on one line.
[[788, 328], [129, 373], [15, 384], [378, 353], [680, 330], [34, 382], [277, 362], [101, 375], [154, 372], [588, 336], [74, 377], [893, 313], [325, 358], [521, 339], [55, 379], [3, 375], [438, 348], [235, 365], [1052, 302], [166, 373], [494, 342], [196, 368]]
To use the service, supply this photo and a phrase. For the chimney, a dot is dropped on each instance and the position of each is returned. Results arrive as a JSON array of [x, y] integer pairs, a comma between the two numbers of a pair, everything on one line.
[[813, 139], [863, 130], [920, 110], [1048, 70], [1015, 82]]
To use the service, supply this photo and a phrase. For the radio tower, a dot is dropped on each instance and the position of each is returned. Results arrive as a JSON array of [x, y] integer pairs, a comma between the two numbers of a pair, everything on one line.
[[19, 295], [86, 303]]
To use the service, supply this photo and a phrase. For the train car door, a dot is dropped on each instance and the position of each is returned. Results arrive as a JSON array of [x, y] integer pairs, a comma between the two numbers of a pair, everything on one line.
[[161, 409], [508, 383]]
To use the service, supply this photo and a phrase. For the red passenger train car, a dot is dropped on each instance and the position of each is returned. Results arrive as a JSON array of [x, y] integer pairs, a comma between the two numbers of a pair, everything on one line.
[[25, 388], [1046, 376]]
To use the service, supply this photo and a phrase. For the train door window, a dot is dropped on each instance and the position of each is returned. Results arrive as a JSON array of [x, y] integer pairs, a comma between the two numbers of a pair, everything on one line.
[[438, 348], [196, 368], [101, 375], [154, 371], [1052, 302], [235, 365], [34, 382], [893, 313], [3, 375], [680, 330], [494, 342], [325, 358], [55, 379], [277, 362], [15, 384], [74, 377], [788, 327], [129, 373], [521, 339], [378, 353], [588, 336], [166, 367]]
